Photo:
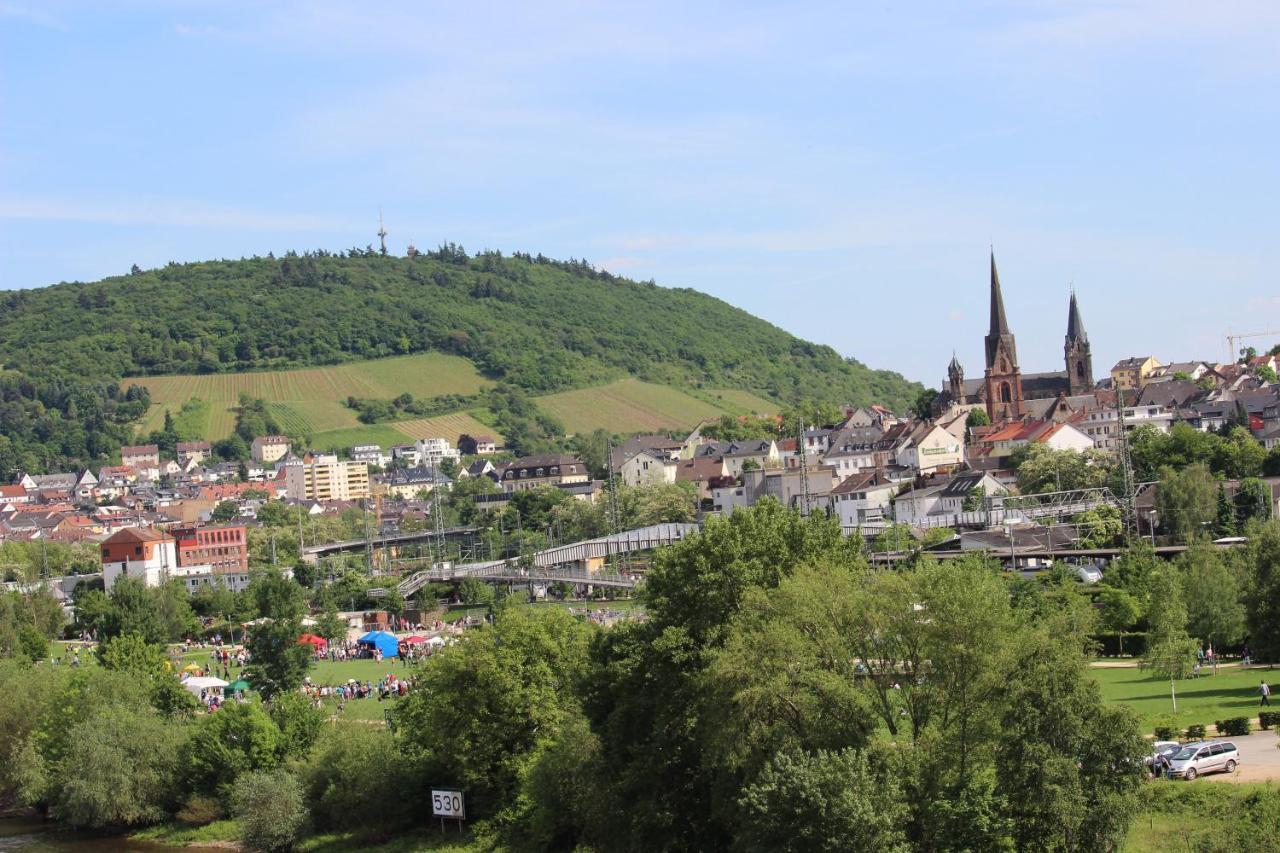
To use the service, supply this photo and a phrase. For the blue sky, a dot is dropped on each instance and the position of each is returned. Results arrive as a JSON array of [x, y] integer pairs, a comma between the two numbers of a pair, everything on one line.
[[838, 169]]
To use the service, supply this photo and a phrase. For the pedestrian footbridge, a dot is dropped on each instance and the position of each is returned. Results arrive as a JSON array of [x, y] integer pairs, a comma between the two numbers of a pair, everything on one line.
[[578, 562]]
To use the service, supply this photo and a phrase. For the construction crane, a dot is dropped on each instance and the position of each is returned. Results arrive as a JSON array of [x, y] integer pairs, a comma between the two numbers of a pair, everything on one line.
[[1233, 341]]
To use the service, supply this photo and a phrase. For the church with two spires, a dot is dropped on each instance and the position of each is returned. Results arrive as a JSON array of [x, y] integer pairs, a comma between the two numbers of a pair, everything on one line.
[[1007, 392]]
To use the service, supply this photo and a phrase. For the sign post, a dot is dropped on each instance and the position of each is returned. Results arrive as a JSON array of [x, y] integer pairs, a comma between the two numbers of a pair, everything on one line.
[[448, 803]]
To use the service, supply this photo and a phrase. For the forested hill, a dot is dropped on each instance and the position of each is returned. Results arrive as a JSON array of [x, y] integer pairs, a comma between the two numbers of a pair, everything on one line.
[[539, 324]]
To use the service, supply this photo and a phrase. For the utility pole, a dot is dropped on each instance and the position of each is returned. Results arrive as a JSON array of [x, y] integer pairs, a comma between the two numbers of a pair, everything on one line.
[[615, 522], [1127, 501], [804, 467]]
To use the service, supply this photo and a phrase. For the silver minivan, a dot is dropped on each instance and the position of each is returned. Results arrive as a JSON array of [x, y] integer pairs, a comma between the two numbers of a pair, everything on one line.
[[1196, 759]]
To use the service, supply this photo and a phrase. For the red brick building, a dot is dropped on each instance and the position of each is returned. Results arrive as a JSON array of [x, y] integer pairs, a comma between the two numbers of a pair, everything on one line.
[[225, 547]]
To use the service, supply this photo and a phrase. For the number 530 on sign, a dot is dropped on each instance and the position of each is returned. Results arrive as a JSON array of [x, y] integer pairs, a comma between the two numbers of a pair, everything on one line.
[[447, 804]]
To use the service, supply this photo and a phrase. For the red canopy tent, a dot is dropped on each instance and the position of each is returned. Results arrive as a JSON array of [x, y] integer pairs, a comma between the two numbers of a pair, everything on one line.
[[413, 641], [319, 643]]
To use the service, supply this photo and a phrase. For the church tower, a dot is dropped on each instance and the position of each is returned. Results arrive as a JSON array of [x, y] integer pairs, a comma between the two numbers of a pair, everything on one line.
[[1003, 378], [1078, 356], [955, 380]]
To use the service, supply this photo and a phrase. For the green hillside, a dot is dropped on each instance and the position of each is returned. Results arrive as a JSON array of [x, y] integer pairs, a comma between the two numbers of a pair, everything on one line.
[[293, 328]]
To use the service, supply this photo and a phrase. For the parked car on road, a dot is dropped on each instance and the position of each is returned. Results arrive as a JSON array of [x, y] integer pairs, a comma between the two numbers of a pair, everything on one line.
[[1167, 748], [1196, 759]]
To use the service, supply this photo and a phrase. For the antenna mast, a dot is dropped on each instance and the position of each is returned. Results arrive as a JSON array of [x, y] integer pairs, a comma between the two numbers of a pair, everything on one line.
[[804, 467], [382, 232]]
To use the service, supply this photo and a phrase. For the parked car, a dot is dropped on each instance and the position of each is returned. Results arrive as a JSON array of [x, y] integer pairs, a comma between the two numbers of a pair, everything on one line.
[[1196, 759], [1166, 748]]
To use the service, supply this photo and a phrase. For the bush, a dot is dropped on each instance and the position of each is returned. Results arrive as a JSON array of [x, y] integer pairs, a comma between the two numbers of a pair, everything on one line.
[[1164, 732], [121, 770], [1196, 732], [199, 810], [355, 780], [234, 740], [1108, 644], [1267, 719], [1234, 727], [270, 809]]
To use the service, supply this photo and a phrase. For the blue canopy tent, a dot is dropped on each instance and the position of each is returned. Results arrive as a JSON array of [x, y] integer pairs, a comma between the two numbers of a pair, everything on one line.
[[382, 641]]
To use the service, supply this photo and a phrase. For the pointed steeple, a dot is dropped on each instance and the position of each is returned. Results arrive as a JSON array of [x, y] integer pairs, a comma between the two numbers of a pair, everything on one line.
[[998, 324], [1075, 323], [954, 367]]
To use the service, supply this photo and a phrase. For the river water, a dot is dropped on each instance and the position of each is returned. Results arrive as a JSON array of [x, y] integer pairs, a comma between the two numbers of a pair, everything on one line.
[[31, 835]]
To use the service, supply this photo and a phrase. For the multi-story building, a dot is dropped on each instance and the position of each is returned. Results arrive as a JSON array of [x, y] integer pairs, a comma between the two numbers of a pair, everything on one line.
[[1133, 374], [1103, 425], [326, 478], [433, 451], [138, 552], [269, 448], [550, 469], [192, 451], [371, 454], [223, 547], [140, 455]]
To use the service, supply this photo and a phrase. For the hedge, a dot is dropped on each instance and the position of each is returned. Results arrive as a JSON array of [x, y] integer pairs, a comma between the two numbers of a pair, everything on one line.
[[1234, 727], [1195, 732], [1267, 719], [1108, 644]]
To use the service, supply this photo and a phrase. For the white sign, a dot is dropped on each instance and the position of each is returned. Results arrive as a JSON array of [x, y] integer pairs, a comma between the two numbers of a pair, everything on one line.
[[447, 804]]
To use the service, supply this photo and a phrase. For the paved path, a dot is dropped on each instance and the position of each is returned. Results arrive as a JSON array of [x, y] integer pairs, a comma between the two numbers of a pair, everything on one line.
[[1259, 759]]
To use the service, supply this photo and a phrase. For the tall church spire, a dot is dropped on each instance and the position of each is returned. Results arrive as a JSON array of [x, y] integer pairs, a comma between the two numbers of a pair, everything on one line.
[[998, 324], [1079, 357], [1075, 324], [1003, 385]]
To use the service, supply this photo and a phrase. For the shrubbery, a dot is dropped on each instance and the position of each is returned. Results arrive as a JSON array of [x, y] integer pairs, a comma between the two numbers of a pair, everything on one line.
[[1234, 727], [270, 809]]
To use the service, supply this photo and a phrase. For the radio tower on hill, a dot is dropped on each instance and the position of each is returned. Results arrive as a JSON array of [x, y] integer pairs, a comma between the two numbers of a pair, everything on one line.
[[382, 232]]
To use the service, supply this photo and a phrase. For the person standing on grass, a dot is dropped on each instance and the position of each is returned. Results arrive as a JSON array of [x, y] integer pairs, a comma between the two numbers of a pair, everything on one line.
[[1266, 693]]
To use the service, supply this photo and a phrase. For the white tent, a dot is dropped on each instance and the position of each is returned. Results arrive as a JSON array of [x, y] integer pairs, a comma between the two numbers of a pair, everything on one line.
[[201, 684]]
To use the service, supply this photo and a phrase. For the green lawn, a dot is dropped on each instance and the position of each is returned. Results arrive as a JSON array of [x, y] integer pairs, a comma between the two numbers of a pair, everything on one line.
[[1233, 692]]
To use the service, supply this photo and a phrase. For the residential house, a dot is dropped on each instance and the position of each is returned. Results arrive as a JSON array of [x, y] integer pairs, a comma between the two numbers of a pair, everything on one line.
[[1131, 374], [480, 468], [785, 485], [433, 451], [705, 472], [1180, 371], [1102, 426], [929, 448], [550, 469], [762, 452], [407, 455], [648, 468], [138, 552], [477, 445], [269, 448], [863, 498], [140, 456], [370, 454], [659, 446], [13, 495], [850, 459], [408, 483], [189, 451]]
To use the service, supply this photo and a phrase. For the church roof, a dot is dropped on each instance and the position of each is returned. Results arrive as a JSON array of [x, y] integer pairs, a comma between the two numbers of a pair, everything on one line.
[[1075, 323]]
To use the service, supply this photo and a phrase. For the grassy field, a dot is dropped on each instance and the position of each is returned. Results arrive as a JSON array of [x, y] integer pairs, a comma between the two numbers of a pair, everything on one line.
[[1233, 692], [384, 435], [445, 426], [629, 405], [744, 401], [1179, 816], [311, 398]]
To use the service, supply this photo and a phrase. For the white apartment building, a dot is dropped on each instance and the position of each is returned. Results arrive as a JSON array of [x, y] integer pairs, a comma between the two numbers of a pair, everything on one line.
[[326, 478], [1103, 425], [433, 451]]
